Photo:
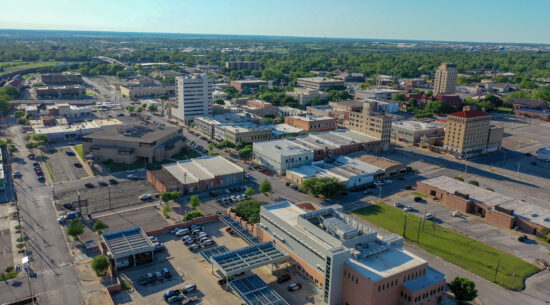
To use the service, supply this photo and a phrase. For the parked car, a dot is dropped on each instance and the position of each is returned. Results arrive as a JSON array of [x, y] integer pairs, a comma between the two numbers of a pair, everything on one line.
[[193, 247], [102, 182], [69, 152], [408, 208], [61, 220], [158, 246], [283, 278], [213, 194], [523, 238], [429, 216], [144, 197], [159, 276], [142, 280], [113, 181], [182, 232], [189, 288], [294, 286], [16, 174], [174, 230], [77, 165], [417, 198], [388, 181], [398, 205], [150, 277], [166, 273], [175, 298], [208, 242], [68, 206], [89, 185]]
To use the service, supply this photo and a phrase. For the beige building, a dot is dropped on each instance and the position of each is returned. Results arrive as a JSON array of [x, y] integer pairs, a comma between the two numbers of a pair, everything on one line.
[[377, 125], [128, 144], [60, 92], [445, 79], [146, 90], [246, 132], [305, 96], [319, 83], [469, 133]]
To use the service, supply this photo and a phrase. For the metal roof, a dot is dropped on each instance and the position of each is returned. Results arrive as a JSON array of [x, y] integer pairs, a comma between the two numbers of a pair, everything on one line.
[[248, 258], [254, 291], [127, 242], [242, 231], [208, 253]]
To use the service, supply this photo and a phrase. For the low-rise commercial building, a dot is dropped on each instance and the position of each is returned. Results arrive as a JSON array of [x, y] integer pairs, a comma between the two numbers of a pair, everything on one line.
[[207, 124], [196, 175], [410, 132], [306, 96], [351, 77], [65, 78], [289, 111], [68, 111], [390, 167], [312, 122], [280, 155], [320, 83], [219, 95], [135, 90], [259, 108], [242, 65], [62, 131], [491, 206], [248, 85], [128, 144], [346, 259], [352, 172], [58, 92], [377, 93], [383, 106]]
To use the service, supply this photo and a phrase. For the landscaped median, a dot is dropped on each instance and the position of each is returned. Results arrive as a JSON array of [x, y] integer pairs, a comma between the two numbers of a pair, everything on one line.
[[454, 247]]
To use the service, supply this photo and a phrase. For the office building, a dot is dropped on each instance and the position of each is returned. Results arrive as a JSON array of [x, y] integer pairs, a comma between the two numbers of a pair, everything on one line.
[[142, 90], [259, 108], [311, 122], [306, 96], [219, 95], [67, 111], [377, 93], [280, 155], [469, 133], [128, 144], [367, 121], [59, 130], [248, 85], [196, 175], [65, 78], [60, 92], [410, 132], [445, 79], [242, 65], [346, 259], [193, 96], [207, 125], [320, 83]]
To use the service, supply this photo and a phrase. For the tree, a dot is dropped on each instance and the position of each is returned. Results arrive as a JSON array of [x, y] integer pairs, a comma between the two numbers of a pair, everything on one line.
[[211, 146], [219, 101], [19, 114], [140, 109], [166, 209], [194, 202], [326, 186], [463, 289], [31, 145], [249, 210], [3, 143], [99, 226], [246, 153], [167, 196], [459, 178], [100, 264], [130, 108], [265, 186], [225, 143], [12, 148], [76, 228], [192, 215], [213, 153], [249, 191], [39, 137], [152, 108], [22, 121]]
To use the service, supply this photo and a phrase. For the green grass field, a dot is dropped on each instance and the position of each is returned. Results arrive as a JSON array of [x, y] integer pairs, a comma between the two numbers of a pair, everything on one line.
[[79, 151], [11, 66], [456, 248]]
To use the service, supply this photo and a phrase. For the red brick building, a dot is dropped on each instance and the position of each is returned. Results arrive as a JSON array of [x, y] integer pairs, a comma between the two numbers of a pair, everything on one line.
[[312, 122]]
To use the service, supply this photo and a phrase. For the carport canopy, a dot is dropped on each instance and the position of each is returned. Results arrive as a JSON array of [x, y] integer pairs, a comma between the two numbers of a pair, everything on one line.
[[248, 258], [253, 291], [127, 242]]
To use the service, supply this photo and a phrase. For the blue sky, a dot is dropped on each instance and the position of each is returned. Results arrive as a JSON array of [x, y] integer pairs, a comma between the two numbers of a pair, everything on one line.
[[458, 20]]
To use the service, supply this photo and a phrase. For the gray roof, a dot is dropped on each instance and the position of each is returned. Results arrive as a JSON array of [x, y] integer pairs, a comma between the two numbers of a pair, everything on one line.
[[431, 278], [127, 242], [248, 258], [136, 133], [254, 291]]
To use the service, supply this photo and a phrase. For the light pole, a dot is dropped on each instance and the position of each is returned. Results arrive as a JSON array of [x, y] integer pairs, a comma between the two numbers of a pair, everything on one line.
[[379, 191], [466, 168], [517, 172]]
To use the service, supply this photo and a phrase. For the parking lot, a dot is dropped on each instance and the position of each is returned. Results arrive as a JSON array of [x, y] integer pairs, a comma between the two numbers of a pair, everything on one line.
[[6, 251], [63, 166], [101, 198]]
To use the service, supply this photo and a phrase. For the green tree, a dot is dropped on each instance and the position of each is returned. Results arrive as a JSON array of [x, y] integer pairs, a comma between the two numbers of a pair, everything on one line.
[[463, 289], [140, 109], [246, 153], [326, 186], [76, 228], [166, 209], [31, 145], [213, 153], [211, 146], [192, 215], [99, 226], [240, 145], [22, 121], [265, 186], [249, 191], [225, 143], [152, 108], [19, 114], [39, 137], [473, 182], [194, 202], [249, 210], [219, 101], [12, 148], [130, 108], [100, 264], [459, 178], [3, 143]]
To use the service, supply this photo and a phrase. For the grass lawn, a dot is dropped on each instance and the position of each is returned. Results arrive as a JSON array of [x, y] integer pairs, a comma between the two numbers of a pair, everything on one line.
[[456, 248], [504, 110], [119, 167], [92, 94], [419, 194], [8, 276], [79, 151], [11, 66]]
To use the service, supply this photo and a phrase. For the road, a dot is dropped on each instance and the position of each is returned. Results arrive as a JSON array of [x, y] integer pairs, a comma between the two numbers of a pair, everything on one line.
[[56, 281]]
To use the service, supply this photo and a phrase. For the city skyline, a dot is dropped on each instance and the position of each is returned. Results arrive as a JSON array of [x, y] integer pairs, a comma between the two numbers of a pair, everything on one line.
[[430, 20]]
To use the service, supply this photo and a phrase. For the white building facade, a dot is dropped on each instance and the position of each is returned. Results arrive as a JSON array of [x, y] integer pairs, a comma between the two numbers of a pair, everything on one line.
[[194, 97]]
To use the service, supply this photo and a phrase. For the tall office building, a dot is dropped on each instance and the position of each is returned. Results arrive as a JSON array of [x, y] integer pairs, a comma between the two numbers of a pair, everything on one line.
[[194, 97], [445, 79], [373, 124]]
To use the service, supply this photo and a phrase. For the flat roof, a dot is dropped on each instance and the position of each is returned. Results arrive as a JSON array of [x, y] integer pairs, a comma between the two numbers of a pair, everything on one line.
[[385, 263], [248, 258], [253, 291], [332, 139], [432, 277], [417, 125], [127, 242], [202, 168], [311, 117], [95, 124], [136, 133], [380, 162], [286, 211], [320, 79], [242, 231], [283, 147]]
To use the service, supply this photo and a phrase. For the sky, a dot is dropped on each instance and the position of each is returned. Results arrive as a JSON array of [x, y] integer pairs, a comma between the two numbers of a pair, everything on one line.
[[523, 21]]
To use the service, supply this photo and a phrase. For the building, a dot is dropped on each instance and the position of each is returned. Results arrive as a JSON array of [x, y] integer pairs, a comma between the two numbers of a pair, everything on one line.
[[320, 110], [65, 78], [320, 83], [128, 144], [207, 124], [243, 132], [385, 106], [242, 65], [492, 207], [346, 259], [377, 125], [445, 79], [352, 172], [280, 130], [219, 95], [312, 122], [32, 110], [60, 130], [390, 167], [412, 82], [410, 132], [68, 111], [289, 111], [196, 175], [469, 133], [129, 247], [55, 92], [193, 96], [259, 108], [280, 155], [306, 96], [351, 77], [142, 90], [346, 106], [532, 109], [377, 93], [248, 85]]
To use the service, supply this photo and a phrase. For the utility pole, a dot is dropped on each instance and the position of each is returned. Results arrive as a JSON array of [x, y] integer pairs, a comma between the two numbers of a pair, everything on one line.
[[405, 227], [517, 173], [496, 271], [424, 224], [418, 235], [109, 187], [79, 205]]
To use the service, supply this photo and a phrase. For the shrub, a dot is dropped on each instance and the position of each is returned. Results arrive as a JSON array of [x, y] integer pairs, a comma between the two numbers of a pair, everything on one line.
[[459, 178], [249, 191], [265, 186], [192, 215], [100, 265], [473, 182], [249, 210], [194, 202], [125, 285], [166, 209], [9, 269], [99, 226], [463, 289], [20, 246], [167, 196], [326, 186]]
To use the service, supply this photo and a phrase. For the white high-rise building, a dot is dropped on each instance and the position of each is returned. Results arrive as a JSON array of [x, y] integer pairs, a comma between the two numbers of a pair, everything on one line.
[[194, 97]]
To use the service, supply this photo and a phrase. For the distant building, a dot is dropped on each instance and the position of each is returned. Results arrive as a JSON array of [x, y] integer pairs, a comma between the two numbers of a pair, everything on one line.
[[320, 83], [410, 132], [532, 109], [219, 95], [378, 93], [193, 96], [60, 92], [59, 130], [259, 108], [469, 133], [289, 111], [68, 111], [311, 122], [306, 96], [374, 124], [384, 106], [248, 85], [412, 82], [280, 155], [242, 65], [209, 125], [196, 175], [128, 144], [65, 78], [452, 100], [445, 79], [351, 77], [138, 90]]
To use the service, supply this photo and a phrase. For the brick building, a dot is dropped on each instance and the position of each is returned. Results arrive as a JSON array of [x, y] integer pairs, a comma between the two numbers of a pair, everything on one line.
[[312, 122]]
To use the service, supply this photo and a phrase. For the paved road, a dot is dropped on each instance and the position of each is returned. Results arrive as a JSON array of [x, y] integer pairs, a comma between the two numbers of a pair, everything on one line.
[[56, 280]]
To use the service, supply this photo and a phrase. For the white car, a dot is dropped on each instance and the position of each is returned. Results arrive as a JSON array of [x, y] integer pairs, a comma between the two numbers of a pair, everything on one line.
[[407, 208], [182, 232], [429, 216], [145, 197], [154, 239]]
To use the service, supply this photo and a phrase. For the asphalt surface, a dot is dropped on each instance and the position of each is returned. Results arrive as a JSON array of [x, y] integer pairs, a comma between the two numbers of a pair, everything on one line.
[[56, 281]]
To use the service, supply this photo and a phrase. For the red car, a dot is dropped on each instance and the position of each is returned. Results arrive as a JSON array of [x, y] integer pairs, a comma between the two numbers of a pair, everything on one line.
[[266, 172]]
